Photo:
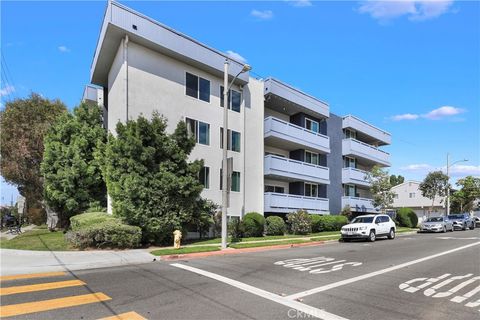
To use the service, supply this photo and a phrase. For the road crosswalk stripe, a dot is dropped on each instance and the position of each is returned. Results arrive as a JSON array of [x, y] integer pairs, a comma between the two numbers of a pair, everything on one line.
[[40, 287], [125, 316], [52, 304], [32, 275]]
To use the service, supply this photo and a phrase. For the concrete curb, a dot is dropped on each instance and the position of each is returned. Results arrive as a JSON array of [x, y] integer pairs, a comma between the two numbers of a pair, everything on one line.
[[238, 251]]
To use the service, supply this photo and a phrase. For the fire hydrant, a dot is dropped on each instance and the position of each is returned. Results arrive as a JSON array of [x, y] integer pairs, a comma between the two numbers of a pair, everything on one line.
[[177, 237]]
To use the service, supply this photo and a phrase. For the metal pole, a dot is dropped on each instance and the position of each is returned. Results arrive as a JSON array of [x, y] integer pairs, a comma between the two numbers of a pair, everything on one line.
[[448, 185], [224, 161]]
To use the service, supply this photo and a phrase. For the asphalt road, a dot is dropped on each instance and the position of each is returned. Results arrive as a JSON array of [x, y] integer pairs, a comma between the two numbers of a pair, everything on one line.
[[416, 276]]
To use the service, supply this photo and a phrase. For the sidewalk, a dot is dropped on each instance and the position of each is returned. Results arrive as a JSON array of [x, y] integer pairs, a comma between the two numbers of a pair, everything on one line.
[[9, 235], [25, 261]]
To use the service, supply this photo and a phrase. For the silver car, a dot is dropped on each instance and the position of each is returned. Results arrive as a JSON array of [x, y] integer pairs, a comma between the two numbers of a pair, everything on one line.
[[436, 224]]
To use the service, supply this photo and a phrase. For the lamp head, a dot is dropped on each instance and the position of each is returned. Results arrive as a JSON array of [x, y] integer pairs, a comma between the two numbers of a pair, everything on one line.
[[246, 68]]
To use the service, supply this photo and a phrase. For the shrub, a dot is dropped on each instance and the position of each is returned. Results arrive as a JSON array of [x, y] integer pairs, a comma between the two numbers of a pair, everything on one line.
[[328, 222], [107, 234], [253, 224], [235, 228], [299, 222], [407, 218], [84, 220], [275, 226]]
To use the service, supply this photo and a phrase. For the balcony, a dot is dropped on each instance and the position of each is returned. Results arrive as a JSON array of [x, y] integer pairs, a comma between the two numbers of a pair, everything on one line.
[[359, 204], [286, 203], [294, 170], [366, 131], [362, 150], [288, 136], [355, 176], [286, 99]]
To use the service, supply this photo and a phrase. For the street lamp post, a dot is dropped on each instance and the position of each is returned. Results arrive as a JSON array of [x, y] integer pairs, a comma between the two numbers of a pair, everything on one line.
[[448, 180], [226, 89]]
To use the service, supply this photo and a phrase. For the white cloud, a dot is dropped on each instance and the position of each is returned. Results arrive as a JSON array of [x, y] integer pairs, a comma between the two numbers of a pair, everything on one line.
[[435, 114], [236, 56], [405, 116], [415, 10], [262, 15], [63, 49], [456, 170], [300, 3], [442, 112], [7, 90]]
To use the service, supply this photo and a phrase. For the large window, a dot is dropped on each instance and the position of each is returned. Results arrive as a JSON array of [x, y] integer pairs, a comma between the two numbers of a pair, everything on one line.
[[204, 177], [350, 134], [311, 190], [350, 162], [199, 130], [197, 87], [234, 99], [311, 157], [235, 183], [234, 140], [312, 125], [350, 190], [275, 189]]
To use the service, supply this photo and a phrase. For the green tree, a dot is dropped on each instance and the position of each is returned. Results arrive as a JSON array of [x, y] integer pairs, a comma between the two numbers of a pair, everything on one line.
[[149, 178], [464, 199], [72, 176], [396, 180], [380, 188], [434, 185], [24, 123]]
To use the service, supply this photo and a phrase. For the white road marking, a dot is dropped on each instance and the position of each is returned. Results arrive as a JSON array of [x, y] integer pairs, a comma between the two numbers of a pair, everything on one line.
[[313, 264], [304, 309], [375, 273], [406, 286], [433, 289], [455, 238]]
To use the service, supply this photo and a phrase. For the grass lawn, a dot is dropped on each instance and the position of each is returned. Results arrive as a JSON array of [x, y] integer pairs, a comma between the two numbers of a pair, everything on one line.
[[162, 252], [39, 239], [266, 244], [405, 229]]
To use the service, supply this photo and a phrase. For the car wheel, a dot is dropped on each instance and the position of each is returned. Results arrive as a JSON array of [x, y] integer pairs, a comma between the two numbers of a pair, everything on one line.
[[391, 235], [444, 229], [372, 236], [472, 227]]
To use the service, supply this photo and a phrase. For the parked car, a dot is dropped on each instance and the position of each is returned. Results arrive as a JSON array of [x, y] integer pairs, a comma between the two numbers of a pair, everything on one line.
[[369, 227], [462, 221], [436, 224], [477, 221]]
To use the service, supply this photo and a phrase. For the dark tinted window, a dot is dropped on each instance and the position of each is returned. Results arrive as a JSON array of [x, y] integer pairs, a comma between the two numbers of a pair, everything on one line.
[[191, 85], [236, 100], [204, 90]]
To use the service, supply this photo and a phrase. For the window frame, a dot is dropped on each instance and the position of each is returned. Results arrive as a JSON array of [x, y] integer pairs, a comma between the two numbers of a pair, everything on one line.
[[274, 188], [206, 172], [311, 154], [230, 140], [312, 121], [230, 99], [196, 134], [198, 95], [311, 188]]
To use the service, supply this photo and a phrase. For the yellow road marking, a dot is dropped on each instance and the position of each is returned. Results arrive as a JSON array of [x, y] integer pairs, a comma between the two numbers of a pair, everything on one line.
[[52, 304], [40, 287], [125, 316], [32, 275]]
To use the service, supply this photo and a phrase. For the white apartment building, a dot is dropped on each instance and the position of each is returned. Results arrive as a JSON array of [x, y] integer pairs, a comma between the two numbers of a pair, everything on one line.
[[289, 152], [408, 195]]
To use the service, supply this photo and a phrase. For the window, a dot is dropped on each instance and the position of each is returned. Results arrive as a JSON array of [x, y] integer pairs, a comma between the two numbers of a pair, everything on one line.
[[378, 220], [234, 140], [204, 177], [234, 99], [350, 134], [411, 195], [311, 157], [312, 125], [350, 162], [235, 183], [311, 190], [349, 190], [197, 87], [199, 130], [275, 189]]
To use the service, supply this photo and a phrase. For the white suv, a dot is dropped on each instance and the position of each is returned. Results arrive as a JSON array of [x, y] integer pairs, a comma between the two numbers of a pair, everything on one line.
[[369, 227]]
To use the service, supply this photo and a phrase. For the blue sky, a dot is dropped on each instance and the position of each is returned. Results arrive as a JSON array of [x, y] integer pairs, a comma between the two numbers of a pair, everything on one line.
[[409, 67]]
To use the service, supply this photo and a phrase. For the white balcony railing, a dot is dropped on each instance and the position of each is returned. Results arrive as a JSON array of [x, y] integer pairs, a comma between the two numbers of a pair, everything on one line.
[[296, 170], [359, 204], [286, 203], [295, 135], [366, 151], [355, 176], [366, 128]]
